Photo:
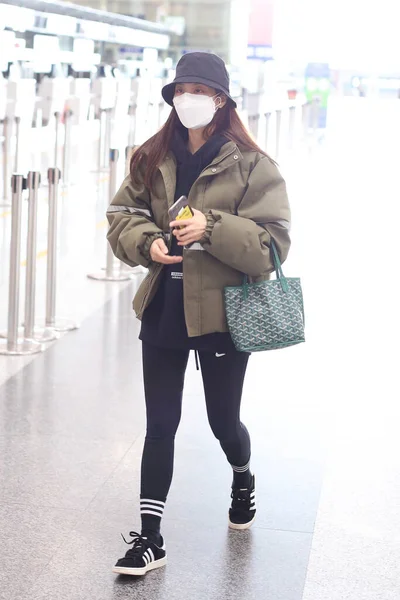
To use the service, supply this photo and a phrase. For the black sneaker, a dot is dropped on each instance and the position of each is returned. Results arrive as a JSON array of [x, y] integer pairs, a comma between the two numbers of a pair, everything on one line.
[[243, 512], [144, 556]]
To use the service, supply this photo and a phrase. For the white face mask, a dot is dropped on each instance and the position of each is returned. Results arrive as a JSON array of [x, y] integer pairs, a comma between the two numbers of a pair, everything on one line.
[[194, 110]]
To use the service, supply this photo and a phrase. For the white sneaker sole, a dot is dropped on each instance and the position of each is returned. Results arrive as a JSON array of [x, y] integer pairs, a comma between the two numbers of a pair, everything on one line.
[[141, 570], [241, 526]]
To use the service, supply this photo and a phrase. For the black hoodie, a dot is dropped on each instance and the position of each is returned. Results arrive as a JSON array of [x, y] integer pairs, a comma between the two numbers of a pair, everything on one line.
[[163, 322]]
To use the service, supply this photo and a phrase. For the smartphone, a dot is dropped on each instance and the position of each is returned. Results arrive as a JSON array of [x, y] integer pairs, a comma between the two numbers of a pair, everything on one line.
[[180, 210]]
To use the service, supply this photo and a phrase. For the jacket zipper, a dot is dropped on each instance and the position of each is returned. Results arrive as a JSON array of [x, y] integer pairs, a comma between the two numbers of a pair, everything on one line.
[[200, 271], [169, 242], [215, 162], [211, 165]]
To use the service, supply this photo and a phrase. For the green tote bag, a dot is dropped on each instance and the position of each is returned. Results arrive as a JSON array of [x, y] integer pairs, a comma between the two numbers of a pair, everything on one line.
[[266, 315]]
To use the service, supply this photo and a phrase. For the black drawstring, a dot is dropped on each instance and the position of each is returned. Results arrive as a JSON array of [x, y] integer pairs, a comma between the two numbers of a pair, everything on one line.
[[196, 355]]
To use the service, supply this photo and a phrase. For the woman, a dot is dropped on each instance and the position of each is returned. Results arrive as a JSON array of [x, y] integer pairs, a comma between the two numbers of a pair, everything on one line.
[[239, 203]]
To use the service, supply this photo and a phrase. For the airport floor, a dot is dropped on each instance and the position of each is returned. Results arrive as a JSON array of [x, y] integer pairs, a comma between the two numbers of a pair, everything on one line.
[[323, 416]]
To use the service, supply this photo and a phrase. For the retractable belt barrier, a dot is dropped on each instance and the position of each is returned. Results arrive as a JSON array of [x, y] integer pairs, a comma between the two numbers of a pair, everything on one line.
[[14, 344], [30, 338], [286, 121]]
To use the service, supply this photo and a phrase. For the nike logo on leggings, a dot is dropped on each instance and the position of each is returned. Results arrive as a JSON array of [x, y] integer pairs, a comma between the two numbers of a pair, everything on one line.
[[219, 355]]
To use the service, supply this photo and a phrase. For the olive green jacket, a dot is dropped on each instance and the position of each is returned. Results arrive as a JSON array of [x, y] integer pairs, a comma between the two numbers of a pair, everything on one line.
[[244, 199]]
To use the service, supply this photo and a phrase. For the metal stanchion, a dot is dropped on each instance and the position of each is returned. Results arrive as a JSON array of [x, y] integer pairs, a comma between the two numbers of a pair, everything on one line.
[[267, 128], [30, 332], [112, 272], [57, 135], [292, 126], [13, 345], [6, 159], [107, 137], [132, 125], [128, 156], [38, 127], [278, 132], [17, 136], [51, 321], [102, 115], [30, 286], [67, 146]]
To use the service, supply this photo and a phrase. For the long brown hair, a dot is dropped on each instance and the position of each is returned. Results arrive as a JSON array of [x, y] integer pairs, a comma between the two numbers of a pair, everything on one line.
[[226, 121]]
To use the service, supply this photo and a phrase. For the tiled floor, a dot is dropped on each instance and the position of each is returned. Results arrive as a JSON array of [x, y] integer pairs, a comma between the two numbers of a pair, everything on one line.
[[70, 446]]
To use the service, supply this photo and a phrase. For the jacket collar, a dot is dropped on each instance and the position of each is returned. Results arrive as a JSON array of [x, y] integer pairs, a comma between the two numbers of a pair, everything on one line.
[[168, 172], [227, 156]]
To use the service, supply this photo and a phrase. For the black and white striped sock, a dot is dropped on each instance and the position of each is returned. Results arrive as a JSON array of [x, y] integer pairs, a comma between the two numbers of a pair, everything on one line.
[[242, 476], [151, 512]]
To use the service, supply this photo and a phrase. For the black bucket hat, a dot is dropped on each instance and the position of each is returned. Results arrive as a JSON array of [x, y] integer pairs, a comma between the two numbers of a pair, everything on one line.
[[199, 67]]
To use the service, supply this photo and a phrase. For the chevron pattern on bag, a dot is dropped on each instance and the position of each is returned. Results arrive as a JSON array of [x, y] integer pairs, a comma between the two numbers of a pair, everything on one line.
[[268, 318]]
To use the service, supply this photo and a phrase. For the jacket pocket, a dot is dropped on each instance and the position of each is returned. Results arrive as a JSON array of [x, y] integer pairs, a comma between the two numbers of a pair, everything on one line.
[[147, 290]]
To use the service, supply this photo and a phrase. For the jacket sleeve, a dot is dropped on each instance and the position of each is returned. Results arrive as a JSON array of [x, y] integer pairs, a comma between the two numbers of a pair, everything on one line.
[[132, 228], [242, 241]]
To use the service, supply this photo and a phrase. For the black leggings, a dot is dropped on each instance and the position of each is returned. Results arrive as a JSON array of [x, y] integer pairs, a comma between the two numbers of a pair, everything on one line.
[[164, 373]]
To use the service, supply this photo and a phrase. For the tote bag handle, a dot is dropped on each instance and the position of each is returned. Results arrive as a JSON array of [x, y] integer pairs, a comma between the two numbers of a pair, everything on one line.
[[278, 270]]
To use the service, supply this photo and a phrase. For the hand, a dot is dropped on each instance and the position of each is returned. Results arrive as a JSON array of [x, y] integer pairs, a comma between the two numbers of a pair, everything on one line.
[[192, 229], [159, 253]]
